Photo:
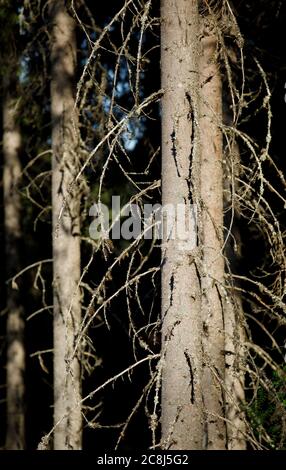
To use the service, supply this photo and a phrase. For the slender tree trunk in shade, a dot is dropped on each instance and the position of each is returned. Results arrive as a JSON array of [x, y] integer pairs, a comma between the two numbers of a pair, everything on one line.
[[213, 381], [234, 315], [234, 377], [182, 406], [66, 231], [15, 436]]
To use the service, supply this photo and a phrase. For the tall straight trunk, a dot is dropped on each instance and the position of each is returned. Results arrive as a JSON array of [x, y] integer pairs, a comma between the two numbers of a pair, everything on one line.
[[213, 381], [66, 231], [193, 374], [234, 378], [234, 315], [182, 405], [15, 436]]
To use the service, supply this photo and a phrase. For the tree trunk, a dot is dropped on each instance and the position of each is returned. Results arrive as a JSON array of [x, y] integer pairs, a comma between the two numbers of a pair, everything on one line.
[[66, 231], [15, 437], [193, 374], [182, 406], [213, 382], [234, 315], [234, 378]]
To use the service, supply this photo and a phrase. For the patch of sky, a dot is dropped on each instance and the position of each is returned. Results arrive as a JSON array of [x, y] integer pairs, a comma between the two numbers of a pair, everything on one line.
[[24, 69], [133, 133]]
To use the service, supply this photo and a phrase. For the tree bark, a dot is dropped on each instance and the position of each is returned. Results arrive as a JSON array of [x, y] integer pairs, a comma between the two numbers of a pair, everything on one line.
[[234, 315], [66, 231], [15, 437], [213, 381], [182, 405], [193, 374], [234, 377]]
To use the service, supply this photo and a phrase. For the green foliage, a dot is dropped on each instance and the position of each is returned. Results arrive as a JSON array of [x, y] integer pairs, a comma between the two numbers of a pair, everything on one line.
[[267, 412]]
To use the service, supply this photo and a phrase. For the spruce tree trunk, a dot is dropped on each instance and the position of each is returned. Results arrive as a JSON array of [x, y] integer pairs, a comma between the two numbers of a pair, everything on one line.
[[234, 377], [193, 374], [66, 231], [15, 436], [212, 281], [234, 315], [182, 405]]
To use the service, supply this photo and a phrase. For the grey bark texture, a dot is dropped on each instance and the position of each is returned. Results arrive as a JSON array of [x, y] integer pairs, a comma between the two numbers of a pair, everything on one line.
[[182, 406], [234, 315], [234, 377], [193, 277], [213, 381], [15, 436], [66, 231]]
